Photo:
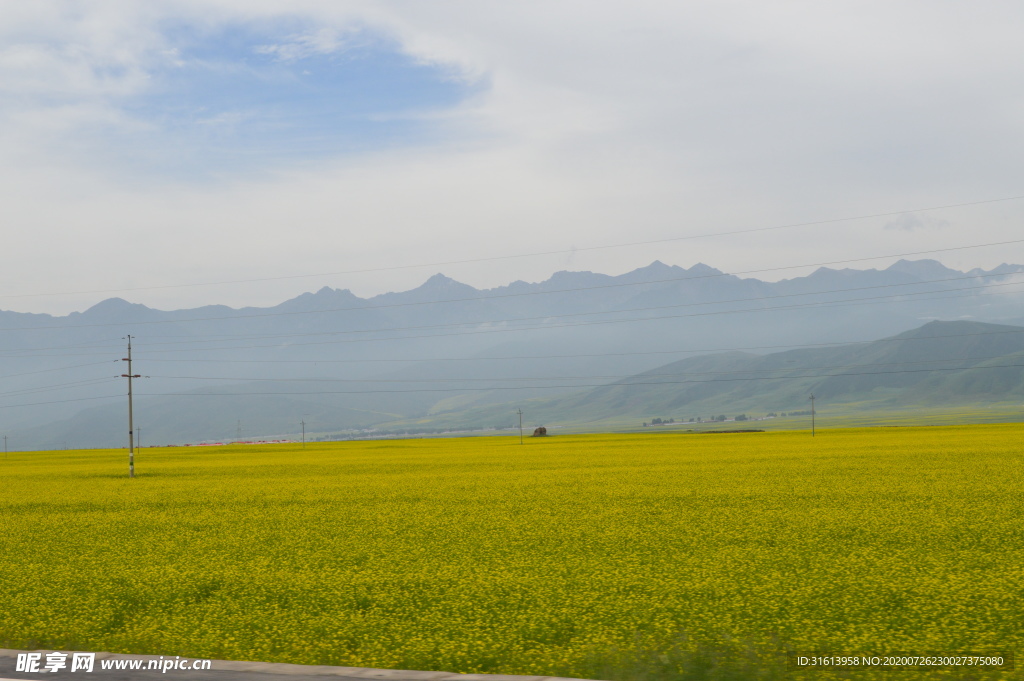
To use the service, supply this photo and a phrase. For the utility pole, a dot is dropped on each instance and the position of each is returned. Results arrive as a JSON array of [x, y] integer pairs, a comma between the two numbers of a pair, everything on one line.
[[520, 412], [812, 414], [238, 435], [5, 447], [138, 438], [303, 433], [131, 433]]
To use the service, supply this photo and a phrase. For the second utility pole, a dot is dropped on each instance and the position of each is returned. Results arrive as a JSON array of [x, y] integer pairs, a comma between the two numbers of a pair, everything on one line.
[[812, 414], [131, 434]]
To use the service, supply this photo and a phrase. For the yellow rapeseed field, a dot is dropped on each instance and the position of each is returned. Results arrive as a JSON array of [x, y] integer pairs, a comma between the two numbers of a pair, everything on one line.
[[596, 556]]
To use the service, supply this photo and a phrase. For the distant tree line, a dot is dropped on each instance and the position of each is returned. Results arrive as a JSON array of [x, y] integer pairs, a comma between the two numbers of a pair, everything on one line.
[[723, 417], [365, 433], [696, 419]]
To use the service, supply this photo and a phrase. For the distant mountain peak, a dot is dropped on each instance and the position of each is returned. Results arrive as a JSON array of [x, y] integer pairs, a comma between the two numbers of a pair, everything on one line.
[[952, 328], [114, 305], [325, 297], [701, 268], [657, 267], [438, 280], [111, 303], [657, 270], [324, 292], [440, 284], [1003, 269], [926, 269]]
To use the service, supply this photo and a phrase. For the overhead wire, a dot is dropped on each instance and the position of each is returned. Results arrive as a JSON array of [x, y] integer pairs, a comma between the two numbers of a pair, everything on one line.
[[598, 385], [73, 399], [487, 331], [595, 385], [59, 386], [573, 356], [646, 374], [835, 303], [43, 371], [485, 298], [617, 311], [536, 253], [591, 377], [842, 302]]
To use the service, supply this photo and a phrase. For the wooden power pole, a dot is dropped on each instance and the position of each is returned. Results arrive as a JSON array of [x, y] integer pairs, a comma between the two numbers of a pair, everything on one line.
[[131, 430]]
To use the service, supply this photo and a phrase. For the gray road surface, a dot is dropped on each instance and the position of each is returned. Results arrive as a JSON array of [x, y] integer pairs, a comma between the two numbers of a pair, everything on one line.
[[224, 670]]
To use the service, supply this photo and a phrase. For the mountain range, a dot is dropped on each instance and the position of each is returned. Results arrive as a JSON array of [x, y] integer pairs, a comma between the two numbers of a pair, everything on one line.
[[577, 346]]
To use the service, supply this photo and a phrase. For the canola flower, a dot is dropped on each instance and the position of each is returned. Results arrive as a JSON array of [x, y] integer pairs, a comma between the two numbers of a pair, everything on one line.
[[594, 556]]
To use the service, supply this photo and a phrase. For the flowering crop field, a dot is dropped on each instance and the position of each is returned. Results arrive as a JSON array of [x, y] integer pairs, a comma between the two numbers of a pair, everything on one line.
[[595, 556]]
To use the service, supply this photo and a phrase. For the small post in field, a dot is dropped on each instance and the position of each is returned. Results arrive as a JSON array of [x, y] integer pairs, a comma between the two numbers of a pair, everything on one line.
[[520, 412], [812, 414]]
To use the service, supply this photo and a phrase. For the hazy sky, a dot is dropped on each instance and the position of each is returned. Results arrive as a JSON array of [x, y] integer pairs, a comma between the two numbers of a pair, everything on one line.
[[168, 144]]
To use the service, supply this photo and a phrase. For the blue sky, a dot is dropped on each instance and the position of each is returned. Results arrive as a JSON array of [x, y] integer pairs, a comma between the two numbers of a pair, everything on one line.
[[150, 149], [244, 96]]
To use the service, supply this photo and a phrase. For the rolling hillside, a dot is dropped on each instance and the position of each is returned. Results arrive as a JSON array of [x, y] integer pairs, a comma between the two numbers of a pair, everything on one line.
[[940, 364]]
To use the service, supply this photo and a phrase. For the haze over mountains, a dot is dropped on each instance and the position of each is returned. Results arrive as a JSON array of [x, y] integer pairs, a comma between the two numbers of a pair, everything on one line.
[[936, 366], [446, 353]]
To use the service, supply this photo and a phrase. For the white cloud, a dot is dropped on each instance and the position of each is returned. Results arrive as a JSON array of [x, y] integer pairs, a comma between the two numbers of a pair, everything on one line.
[[911, 222], [319, 42], [600, 122]]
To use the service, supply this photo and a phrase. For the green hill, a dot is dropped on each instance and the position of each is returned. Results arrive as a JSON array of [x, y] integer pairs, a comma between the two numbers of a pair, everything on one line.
[[940, 365]]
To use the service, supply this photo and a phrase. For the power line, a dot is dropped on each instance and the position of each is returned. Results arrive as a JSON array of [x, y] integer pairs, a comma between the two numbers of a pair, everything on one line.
[[619, 311], [75, 399], [486, 298], [522, 378], [830, 304], [66, 327], [222, 337], [486, 331], [43, 371], [594, 385], [519, 358], [532, 254], [88, 382], [620, 383], [574, 356], [59, 386], [646, 374]]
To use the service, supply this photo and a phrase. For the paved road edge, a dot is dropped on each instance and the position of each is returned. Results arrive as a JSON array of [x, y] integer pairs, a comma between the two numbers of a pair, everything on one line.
[[316, 670]]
